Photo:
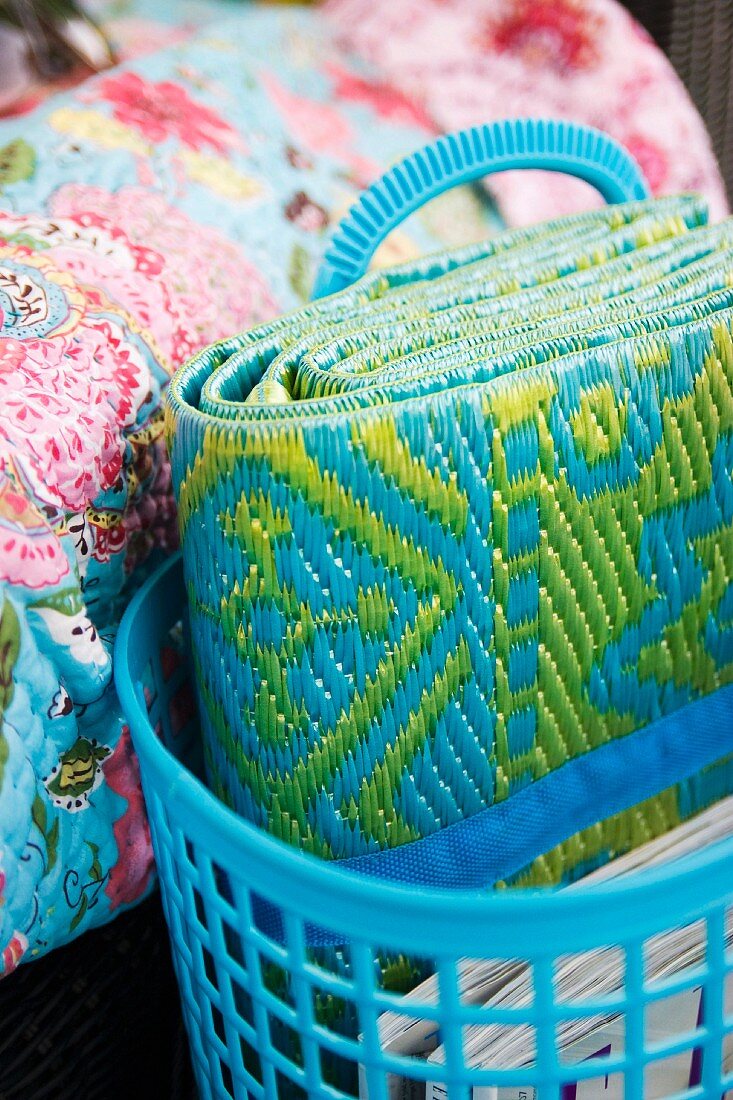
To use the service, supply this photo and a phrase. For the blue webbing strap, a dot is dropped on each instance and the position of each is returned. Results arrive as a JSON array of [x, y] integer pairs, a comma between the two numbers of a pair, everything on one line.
[[498, 842]]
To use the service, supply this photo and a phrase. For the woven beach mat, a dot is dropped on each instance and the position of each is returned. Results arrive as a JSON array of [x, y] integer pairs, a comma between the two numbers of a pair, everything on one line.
[[459, 549]]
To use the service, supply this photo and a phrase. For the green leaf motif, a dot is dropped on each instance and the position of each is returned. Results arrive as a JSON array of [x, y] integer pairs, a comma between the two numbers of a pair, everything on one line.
[[299, 273], [52, 846], [39, 813], [9, 649], [67, 602], [79, 914], [17, 162], [95, 871], [25, 240]]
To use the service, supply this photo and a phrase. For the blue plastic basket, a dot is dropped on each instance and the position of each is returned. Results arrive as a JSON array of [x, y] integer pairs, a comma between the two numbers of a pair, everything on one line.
[[271, 1015], [252, 1036]]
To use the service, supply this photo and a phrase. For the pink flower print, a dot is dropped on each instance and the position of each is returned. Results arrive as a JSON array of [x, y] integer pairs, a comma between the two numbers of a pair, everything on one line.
[[319, 126], [12, 953], [383, 98], [165, 110], [130, 876], [650, 158], [12, 353], [146, 260], [66, 443], [554, 34], [206, 286], [30, 552]]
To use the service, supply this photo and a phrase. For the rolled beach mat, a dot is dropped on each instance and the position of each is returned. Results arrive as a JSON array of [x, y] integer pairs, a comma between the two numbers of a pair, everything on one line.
[[458, 542]]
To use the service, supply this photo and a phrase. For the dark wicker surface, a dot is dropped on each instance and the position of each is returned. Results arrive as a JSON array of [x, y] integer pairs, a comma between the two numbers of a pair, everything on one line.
[[697, 36], [98, 1019]]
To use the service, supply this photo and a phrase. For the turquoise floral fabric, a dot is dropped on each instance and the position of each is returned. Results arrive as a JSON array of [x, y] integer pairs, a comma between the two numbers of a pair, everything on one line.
[[182, 197]]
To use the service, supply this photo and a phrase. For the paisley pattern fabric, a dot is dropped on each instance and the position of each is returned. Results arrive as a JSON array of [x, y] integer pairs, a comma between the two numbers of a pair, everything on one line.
[[462, 523], [150, 212]]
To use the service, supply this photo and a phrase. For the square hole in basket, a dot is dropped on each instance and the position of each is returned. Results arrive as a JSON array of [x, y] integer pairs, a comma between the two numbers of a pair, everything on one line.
[[589, 976], [190, 853], [198, 904], [251, 1060], [482, 981], [663, 952], [582, 1040], [286, 1040], [268, 919], [668, 1018], [222, 884], [209, 967], [610, 1087], [399, 973], [334, 1012], [226, 1078], [674, 1076], [243, 1004], [503, 1046], [233, 945], [340, 1073], [276, 980], [217, 1022], [286, 1087]]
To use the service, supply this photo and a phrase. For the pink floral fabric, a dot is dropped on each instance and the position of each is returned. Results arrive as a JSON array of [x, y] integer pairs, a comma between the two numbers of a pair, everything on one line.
[[466, 62], [162, 109], [130, 270]]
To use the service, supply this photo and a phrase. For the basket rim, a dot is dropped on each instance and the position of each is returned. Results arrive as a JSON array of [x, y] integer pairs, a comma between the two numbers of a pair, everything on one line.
[[639, 901]]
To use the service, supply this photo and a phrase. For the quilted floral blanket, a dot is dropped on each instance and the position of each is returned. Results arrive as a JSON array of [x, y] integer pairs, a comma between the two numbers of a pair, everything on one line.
[[181, 197], [159, 207]]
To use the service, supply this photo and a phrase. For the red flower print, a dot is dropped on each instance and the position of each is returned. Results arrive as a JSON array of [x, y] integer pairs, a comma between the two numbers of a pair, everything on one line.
[[12, 953], [319, 126], [129, 878], [164, 110], [650, 159], [557, 34], [384, 99], [11, 353]]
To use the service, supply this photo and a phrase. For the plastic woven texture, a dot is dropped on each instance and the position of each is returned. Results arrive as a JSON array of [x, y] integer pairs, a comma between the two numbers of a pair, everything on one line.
[[460, 524]]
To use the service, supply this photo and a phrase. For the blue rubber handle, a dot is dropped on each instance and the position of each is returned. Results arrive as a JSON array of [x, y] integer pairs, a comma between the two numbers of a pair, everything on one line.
[[468, 155]]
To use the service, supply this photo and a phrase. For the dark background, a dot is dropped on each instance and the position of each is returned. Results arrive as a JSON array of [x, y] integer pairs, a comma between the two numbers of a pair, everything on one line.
[[697, 36]]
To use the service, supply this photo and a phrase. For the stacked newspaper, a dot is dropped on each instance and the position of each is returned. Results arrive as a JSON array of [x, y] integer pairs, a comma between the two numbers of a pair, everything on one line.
[[580, 977]]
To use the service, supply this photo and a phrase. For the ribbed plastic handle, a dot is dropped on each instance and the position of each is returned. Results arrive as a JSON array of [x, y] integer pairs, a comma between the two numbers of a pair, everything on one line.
[[468, 155]]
